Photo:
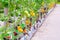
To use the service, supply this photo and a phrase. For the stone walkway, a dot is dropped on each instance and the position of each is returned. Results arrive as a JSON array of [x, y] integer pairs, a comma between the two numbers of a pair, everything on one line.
[[50, 29]]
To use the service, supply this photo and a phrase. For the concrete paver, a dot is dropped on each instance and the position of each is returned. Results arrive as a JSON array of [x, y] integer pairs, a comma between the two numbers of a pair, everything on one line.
[[50, 29]]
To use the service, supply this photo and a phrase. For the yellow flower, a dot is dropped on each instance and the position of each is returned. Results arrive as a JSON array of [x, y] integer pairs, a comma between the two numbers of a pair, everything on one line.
[[42, 10], [27, 22], [32, 13], [20, 29]]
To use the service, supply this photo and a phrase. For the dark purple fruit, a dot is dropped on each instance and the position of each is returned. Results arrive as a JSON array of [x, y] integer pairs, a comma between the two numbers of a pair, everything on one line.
[[15, 34], [4, 38], [31, 19]]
